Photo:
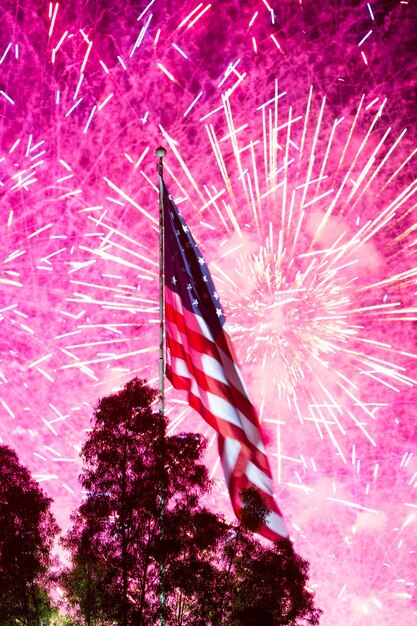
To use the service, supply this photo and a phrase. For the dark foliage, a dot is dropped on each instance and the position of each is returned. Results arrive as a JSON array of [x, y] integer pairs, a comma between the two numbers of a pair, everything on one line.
[[260, 584], [27, 531], [143, 549], [140, 539], [265, 585]]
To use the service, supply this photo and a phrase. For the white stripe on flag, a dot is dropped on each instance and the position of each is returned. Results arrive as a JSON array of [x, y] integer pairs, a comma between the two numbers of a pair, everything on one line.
[[231, 449], [259, 478], [276, 524], [221, 408], [213, 368], [180, 367]]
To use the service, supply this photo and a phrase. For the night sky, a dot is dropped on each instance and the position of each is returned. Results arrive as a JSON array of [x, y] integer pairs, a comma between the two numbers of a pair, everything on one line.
[[291, 131]]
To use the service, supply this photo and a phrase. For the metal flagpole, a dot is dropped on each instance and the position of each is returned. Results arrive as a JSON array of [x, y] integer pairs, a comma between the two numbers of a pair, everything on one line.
[[160, 153]]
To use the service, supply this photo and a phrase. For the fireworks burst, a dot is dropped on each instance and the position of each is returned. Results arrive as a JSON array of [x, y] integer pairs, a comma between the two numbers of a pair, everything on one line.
[[314, 279], [303, 202]]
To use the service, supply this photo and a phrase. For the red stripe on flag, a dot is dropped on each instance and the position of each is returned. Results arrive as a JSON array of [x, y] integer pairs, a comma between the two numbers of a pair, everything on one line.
[[180, 318], [222, 426]]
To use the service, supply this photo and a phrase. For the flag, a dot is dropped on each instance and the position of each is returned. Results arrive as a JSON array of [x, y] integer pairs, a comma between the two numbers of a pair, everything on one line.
[[200, 360]]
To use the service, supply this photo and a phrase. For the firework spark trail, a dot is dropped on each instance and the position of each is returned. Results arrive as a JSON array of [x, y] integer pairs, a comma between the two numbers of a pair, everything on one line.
[[304, 204]]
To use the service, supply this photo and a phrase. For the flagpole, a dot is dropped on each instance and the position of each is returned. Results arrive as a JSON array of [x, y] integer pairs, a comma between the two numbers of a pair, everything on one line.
[[160, 153]]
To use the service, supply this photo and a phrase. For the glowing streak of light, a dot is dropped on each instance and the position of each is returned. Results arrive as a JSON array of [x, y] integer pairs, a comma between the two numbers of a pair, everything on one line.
[[52, 17], [107, 256], [380, 166], [14, 146], [43, 373], [68, 488], [112, 357], [104, 66], [5, 53], [7, 408], [189, 16], [230, 70], [241, 78], [131, 201], [178, 49], [90, 117], [255, 15], [276, 42], [200, 15], [40, 230], [173, 147], [353, 505], [312, 152], [145, 10], [167, 73], [122, 63], [142, 156], [8, 98], [9, 281], [105, 101], [141, 36], [84, 36], [58, 45], [78, 87], [44, 477], [73, 107], [40, 360], [194, 102], [13, 255], [368, 34]]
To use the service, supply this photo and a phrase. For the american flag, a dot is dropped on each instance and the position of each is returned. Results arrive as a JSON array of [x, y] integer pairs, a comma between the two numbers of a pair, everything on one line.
[[200, 360]]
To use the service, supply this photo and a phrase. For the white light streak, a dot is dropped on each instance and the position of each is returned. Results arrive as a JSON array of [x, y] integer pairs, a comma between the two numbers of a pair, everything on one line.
[[200, 15], [365, 38], [189, 16], [8, 98], [53, 18], [178, 49], [90, 117], [73, 107], [145, 10], [5, 53]]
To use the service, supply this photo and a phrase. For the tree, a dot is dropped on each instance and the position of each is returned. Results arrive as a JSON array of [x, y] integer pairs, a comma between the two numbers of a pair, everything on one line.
[[265, 585], [27, 531], [262, 585], [143, 549], [85, 580], [140, 544]]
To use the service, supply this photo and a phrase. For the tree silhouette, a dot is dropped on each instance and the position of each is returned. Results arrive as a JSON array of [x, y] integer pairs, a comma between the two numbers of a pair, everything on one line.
[[145, 551], [27, 531], [140, 540], [259, 583], [264, 585]]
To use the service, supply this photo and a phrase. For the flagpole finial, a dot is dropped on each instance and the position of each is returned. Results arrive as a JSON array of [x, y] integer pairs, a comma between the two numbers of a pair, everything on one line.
[[160, 153]]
